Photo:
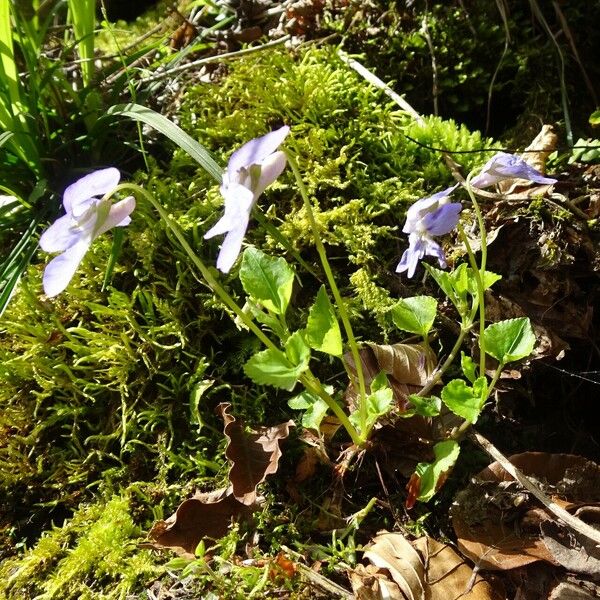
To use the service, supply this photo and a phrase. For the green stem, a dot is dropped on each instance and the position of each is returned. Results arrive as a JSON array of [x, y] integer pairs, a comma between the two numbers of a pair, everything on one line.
[[480, 297], [308, 380], [480, 273], [362, 405], [312, 384], [449, 360]]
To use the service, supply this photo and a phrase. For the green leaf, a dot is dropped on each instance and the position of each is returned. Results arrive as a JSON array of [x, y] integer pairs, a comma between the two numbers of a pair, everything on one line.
[[468, 367], [425, 407], [322, 329], [267, 280], [415, 315], [297, 351], [595, 118], [272, 367], [269, 320], [379, 402], [159, 122], [463, 400], [446, 454], [461, 283], [443, 279], [509, 340], [315, 407]]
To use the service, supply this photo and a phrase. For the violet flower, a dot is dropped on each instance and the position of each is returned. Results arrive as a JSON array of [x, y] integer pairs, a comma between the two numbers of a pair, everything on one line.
[[424, 219], [251, 169], [87, 216], [507, 166]]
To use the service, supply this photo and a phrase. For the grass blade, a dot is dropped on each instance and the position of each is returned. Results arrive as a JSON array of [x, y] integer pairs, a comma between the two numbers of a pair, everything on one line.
[[159, 122]]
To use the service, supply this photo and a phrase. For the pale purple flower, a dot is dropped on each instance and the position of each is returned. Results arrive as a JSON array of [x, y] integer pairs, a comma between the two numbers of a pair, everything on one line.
[[424, 219], [251, 168], [87, 216], [507, 166]]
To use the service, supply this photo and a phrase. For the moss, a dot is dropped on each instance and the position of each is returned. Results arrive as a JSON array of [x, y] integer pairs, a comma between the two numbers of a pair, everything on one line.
[[92, 556]]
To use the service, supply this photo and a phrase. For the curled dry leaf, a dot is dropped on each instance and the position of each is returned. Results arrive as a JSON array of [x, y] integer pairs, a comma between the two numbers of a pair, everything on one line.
[[449, 577], [498, 526], [423, 570], [408, 367], [573, 551], [575, 590], [393, 552], [371, 583], [253, 455], [204, 516]]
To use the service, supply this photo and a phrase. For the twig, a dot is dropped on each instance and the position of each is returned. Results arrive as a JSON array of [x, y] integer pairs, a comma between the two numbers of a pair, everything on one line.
[[384, 87], [568, 519], [211, 59], [435, 90], [318, 579]]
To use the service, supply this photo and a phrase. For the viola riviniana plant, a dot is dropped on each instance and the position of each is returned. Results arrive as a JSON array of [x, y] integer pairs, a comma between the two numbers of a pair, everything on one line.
[[436, 215], [89, 214], [251, 169]]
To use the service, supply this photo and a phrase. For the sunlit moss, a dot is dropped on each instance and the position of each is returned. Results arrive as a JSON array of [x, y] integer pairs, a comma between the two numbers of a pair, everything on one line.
[[93, 555]]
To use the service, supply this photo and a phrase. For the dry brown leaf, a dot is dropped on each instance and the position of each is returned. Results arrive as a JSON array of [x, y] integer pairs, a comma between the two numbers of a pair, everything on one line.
[[392, 551], [253, 455], [371, 583], [571, 550], [575, 590], [205, 516], [496, 525], [449, 577], [408, 367]]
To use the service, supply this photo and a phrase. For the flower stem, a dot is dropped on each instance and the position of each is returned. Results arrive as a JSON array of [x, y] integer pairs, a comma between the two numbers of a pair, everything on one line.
[[480, 297], [449, 360], [362, 405], [481, 277]]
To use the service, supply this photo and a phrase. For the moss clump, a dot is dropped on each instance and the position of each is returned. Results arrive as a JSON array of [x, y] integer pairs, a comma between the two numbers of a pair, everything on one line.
[[92, 556]]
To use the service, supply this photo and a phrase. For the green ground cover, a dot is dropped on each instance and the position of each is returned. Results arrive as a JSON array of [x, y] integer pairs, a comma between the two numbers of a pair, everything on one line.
[[107, 393]]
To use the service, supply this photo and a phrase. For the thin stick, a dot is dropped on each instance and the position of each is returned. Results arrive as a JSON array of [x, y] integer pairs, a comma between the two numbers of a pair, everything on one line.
[[318, 579], [211, 59], [568, 519]]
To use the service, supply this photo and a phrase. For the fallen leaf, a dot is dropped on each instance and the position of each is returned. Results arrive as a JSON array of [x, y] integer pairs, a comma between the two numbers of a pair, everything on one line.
[[204, 516], [408, 367], [449, 577], [575, 590], [371, 583], [496, 524], [392, 551], [282, 566], [253, 455], [571, 550]]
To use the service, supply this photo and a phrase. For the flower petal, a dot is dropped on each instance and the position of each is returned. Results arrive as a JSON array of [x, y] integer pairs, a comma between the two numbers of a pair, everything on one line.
[[62, 234], [504, 166], [238, 204], [416, 212], [118, 215], [443, 220], [256, 150], [230, 248], [270, 169], [76, 197], [60, 270]]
